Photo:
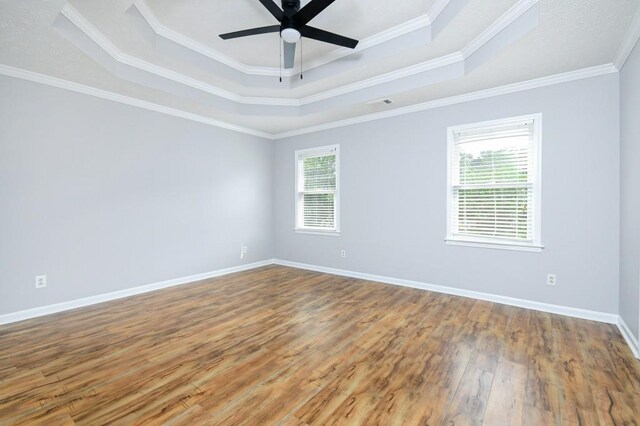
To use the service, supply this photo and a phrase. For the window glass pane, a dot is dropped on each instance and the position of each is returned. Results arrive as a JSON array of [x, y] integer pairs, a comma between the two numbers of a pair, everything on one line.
[[494, 212], [318, 211], [500, 161], [320, 173]]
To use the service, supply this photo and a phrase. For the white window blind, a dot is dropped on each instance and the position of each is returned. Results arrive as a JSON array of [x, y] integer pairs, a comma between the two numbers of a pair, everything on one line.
[[317, 189], [494, 183]]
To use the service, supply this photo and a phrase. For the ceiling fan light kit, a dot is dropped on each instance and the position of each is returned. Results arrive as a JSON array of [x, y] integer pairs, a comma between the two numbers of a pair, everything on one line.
[[290, 35], [293, 26]]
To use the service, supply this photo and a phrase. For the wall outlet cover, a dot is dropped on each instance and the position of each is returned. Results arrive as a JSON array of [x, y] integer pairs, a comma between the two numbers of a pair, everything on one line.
[[41, 281]]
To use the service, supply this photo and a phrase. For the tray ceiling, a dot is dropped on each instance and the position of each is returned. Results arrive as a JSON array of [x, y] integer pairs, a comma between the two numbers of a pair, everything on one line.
[[168, 53]]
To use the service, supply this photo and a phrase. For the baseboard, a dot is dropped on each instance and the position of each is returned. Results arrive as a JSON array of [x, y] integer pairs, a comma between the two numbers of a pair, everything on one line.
[[92, 300], [629, 337], [521, 303]]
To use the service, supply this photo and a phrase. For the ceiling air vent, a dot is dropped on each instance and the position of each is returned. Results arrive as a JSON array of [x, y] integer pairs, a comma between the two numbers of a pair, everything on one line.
[[382, 102]]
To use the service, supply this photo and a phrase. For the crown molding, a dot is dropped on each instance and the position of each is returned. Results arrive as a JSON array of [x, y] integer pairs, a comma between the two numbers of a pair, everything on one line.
[[77, 19], [191, 44], [369, 42], [631, 38], [9, 71], [509, 18], [438, 103], [482, 94], [384, 36], [104, 43], [385, 78], [436, 9]]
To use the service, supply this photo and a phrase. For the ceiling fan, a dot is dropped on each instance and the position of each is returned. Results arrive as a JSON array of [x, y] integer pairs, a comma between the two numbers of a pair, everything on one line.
[[293, 25]]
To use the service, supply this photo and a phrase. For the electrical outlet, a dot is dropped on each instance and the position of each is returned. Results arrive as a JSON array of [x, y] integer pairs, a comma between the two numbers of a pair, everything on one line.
[[243, 250], [343, 254], [41, 281], [551, 279]]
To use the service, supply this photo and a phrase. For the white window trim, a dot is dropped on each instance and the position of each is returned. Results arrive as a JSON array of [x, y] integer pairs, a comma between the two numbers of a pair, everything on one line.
[[536, 245], [314, 231]]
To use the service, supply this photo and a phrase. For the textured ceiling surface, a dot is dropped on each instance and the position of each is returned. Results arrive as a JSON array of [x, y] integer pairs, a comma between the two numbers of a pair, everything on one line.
[[204, 20], [568, 35]]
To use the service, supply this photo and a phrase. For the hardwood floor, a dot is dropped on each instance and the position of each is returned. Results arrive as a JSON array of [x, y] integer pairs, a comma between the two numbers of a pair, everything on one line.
[[284, 346]]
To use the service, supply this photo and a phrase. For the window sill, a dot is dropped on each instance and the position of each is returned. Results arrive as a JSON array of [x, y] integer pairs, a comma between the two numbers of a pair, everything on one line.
[[318, 232], [493, 245]]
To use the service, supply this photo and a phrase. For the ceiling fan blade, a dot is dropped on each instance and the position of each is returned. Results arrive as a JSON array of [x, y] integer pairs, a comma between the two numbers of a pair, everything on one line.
[[311, 10], [327, 37], [273, 9], [289, 55], [250, 32]]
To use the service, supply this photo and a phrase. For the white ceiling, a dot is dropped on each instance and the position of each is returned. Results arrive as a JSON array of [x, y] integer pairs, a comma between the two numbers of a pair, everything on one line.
[[515, 40], [203, 20]]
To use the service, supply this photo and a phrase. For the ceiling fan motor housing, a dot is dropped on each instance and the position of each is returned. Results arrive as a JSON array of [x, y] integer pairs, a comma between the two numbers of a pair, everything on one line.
[[290, 8], [291, 5]]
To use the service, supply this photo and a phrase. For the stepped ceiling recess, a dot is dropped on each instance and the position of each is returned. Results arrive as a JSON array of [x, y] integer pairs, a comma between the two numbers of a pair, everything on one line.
[[166, 55]]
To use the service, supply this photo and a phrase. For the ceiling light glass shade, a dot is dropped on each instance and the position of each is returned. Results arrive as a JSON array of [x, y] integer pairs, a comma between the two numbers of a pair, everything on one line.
[[290, 35]]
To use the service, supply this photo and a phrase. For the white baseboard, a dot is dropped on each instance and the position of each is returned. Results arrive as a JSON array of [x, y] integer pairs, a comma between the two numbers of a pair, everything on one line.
[[521, 303], [629, 337], [92, 300]]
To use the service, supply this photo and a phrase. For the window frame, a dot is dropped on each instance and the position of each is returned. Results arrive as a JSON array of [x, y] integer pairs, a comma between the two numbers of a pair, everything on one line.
[[493, 242], [336, 203]]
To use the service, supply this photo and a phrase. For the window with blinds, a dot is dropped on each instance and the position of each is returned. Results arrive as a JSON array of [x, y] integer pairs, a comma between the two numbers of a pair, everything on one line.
[[317, 189], [494, 182]]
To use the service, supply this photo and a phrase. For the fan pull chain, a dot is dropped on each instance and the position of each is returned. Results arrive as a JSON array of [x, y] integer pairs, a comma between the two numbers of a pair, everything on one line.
[[280, 63], [301, 58]]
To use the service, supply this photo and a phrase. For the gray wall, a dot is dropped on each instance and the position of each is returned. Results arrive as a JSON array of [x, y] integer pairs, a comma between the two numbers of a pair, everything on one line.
[[393, 185], [630, 191], [102, 196]]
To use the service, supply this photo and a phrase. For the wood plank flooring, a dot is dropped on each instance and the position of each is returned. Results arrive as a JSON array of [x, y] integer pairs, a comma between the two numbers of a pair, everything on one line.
[[284, 346]]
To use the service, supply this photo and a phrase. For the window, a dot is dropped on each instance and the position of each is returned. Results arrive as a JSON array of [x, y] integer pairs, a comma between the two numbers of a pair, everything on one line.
[[317, 176], [494, 184]]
